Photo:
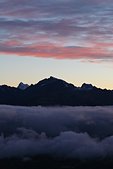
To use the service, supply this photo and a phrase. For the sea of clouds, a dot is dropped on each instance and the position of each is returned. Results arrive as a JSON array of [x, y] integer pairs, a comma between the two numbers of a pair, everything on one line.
[[64, 132]]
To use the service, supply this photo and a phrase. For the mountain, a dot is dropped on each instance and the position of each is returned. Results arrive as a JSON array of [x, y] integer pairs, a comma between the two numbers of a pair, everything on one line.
[[87, 86], [10, 95], [53, 91], [22, 86]]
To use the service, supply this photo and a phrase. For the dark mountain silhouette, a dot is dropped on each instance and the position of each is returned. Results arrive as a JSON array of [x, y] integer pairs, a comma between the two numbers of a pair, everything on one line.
[[53, 91], [22, 86]]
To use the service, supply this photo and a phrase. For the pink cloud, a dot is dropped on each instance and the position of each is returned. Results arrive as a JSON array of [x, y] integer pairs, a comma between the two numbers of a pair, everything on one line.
[[96, 51], [57, 29]]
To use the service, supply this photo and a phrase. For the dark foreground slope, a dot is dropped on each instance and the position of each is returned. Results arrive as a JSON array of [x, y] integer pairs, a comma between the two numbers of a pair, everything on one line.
[[53, 91], [44, 162]]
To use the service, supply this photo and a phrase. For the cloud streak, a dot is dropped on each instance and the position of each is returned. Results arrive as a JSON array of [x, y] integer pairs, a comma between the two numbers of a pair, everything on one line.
[[60, 29]]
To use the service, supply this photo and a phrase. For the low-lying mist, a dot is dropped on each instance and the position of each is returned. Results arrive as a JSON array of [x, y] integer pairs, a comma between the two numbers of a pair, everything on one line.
[[64, 132]]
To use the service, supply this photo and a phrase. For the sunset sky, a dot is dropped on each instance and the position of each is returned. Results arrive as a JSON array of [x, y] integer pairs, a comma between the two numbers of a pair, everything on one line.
[[68, 39]]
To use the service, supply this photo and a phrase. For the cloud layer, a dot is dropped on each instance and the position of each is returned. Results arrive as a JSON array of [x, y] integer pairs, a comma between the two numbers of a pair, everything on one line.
[[57, 29], [68, 132]]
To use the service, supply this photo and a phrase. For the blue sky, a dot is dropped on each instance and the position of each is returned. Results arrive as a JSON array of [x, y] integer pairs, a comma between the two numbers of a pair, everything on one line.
[[68, 39]]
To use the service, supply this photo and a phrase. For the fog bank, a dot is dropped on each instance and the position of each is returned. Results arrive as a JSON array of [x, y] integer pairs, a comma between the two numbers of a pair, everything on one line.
[[67, 132]]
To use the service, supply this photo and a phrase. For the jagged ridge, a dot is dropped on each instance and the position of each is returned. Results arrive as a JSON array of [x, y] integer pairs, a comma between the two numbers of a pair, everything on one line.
[[53, 91]]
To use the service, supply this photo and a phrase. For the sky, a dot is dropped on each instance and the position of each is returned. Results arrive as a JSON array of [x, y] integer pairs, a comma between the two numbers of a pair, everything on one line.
[[68, 39]]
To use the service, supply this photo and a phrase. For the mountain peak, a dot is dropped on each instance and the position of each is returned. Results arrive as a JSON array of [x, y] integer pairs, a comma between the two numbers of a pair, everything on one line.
[[53, 91], [86, 86], [54, 78], [22, 86], [53, 82], [51, 77]]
